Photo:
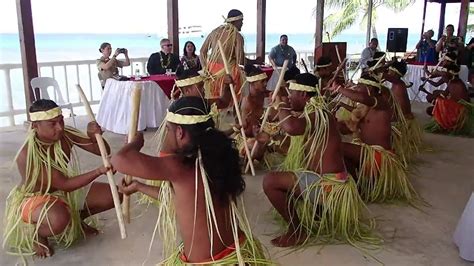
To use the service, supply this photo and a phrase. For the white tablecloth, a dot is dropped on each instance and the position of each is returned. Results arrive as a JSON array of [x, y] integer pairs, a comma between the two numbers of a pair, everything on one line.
[[116, 104], [464, 234], [415, 72]]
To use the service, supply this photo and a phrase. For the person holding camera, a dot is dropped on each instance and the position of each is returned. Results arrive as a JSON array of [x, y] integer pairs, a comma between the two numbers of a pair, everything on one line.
[[426, 48], [448, 42], [108, 66], [163, 61]]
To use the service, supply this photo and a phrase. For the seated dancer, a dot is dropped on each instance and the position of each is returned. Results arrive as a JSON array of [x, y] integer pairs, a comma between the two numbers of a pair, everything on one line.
[[314, 194], [190, 83], [448, 58], [323, 70], [407, 140], [452, 111], [53, 199], [381, 176], [270, 139], [199, 193]]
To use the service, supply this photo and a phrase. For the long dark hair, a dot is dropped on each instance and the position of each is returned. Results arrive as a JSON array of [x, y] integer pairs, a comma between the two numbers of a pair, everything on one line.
[[220, 157], [184, 49]]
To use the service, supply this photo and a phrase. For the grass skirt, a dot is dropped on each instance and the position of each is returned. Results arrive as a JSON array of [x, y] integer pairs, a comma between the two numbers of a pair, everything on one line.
[[251, 251], [334, 215], [21, 237], [452, 118], [407, 140], [382, 178]]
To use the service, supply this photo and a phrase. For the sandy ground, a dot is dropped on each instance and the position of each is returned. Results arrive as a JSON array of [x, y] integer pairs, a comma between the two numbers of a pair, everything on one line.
[[444, 178]]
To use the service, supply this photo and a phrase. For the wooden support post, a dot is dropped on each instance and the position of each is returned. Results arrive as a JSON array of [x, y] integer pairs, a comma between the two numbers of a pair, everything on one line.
[[424, 17], [369, 22], [442, 14], [463, 15], [261, 16], [28, 49], [319, 23], [173, 24]]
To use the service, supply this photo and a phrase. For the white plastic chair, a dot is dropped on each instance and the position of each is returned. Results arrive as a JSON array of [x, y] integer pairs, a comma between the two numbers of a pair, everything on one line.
[[43, 83]]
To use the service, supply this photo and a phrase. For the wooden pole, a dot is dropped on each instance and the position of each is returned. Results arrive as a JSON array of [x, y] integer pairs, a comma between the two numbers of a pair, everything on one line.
[[261, 17], [442, 14], [369, 21], [105, 161], [319, 23], [463, 16], [267, 111], [424, 17], [27, 48], [173, 24], [236, 106], [136, 95]]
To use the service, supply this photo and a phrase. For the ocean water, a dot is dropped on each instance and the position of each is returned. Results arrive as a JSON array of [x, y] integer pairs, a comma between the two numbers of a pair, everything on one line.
[[72, 47], [64, 47]]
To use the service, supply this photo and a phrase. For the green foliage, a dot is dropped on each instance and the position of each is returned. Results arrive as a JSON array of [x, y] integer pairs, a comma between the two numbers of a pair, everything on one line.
[[351, 11]]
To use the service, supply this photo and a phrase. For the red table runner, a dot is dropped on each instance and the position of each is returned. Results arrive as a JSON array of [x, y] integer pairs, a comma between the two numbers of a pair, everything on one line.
[[166, 82]]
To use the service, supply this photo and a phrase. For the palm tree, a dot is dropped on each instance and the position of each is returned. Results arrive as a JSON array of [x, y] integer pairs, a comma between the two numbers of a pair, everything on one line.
[[470, 27], [350, 11]]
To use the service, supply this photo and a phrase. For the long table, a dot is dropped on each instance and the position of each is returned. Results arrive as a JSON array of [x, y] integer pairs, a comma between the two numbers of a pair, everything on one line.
[[116, 104], [416, 72]]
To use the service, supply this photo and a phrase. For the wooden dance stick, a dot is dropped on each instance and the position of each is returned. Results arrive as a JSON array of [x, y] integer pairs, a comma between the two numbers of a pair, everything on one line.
[[339, 59], [338, 69], [236, 106], [132, 131], [267, 111], [105, 160], [431, 74]]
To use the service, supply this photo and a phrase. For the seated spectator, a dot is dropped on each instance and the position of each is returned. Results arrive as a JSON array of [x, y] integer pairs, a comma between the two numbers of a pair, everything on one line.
[[159, 62], [368, 53], [190, 60], [426, 48], [108, 67], [281, 52]]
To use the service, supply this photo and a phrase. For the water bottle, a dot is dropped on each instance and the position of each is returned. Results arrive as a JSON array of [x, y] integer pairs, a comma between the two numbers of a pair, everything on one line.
[[137, 74]]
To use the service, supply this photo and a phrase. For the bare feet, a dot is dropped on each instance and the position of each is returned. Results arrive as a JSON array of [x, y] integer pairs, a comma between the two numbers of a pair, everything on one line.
[[42, 248], [290, 238], [89, 230]]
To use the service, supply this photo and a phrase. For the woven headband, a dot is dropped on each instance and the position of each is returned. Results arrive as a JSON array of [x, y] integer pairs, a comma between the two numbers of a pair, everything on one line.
[[232, 19], [326, 65], [261, 76], [396, 71], [189, 81], [191, 119], [299, 87], [45, 115], [369, 82]]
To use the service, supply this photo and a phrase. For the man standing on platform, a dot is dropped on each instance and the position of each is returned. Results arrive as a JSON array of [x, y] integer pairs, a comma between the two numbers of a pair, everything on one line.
[[368, 53], [281, 52], [158, 63], [233, 45]]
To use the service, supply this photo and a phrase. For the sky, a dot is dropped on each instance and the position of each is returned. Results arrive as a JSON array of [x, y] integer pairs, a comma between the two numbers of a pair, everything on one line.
[[149, 16]]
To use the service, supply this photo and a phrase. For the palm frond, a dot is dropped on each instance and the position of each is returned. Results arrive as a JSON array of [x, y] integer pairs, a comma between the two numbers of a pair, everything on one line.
[[341, 20], [397, 5]]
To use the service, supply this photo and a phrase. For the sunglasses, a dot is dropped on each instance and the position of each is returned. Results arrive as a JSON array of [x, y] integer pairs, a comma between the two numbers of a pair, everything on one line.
[[167, 45]]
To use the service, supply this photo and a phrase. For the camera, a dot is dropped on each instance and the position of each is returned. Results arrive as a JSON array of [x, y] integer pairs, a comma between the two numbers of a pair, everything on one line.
[[122, 50]]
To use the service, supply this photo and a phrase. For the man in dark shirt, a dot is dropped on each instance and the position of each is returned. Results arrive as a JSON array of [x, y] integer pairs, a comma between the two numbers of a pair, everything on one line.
[[159, 62]]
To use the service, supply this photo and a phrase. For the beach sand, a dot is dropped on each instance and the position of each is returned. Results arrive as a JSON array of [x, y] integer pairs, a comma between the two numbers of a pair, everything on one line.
[[413, 237]]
